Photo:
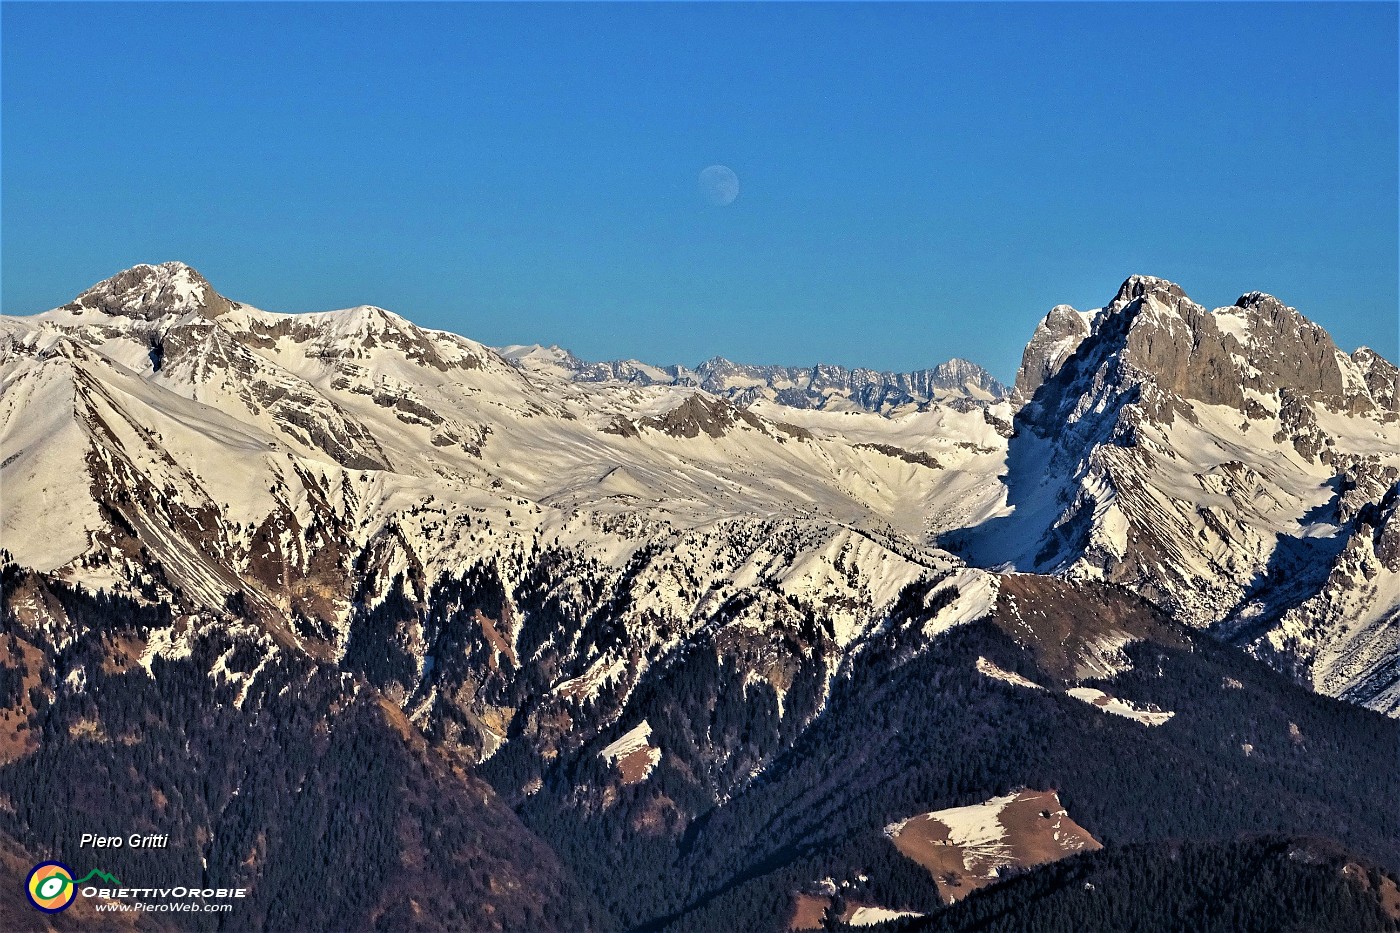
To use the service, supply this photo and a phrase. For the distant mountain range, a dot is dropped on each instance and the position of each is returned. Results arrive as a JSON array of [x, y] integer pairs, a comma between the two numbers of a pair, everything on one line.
[[567, 645], [825, 387]]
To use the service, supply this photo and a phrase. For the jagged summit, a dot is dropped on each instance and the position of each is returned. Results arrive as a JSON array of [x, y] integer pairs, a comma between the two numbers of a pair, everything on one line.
[[1260, 300], [148, 292], [1153, 334], [1143, 286]]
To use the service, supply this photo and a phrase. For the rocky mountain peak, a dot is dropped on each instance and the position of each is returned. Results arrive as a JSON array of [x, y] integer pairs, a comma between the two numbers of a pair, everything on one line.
[[1261, 301], [698, 414], [1165, 340], [718, 366], [958, 371], [148, 292], [1267, 310], [1055, 339], [1382, 377], [366, 321], [1148, 286]]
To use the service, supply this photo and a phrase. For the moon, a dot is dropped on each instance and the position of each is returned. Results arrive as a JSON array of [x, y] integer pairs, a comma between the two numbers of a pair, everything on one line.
[[719, 185]]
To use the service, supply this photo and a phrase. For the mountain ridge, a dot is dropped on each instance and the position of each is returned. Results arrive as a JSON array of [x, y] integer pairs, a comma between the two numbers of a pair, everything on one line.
[[1108, 396], [701, 650], [822, 386]]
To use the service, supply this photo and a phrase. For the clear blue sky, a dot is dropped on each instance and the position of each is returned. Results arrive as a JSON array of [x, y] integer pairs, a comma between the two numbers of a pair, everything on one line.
[[917, 181]]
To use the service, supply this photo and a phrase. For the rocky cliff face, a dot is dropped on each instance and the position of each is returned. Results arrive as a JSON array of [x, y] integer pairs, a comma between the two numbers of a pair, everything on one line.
[[1382, 377], [1054, 340]]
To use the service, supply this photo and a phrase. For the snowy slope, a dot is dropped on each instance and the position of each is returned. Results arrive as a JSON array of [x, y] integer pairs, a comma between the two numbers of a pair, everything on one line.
[[305, 471], [161, 439]]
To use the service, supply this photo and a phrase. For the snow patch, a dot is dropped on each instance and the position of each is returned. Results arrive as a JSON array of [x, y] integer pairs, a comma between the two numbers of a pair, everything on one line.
[[631, 740], [1148, 716], [977, 597], [988, 669], [869, 916]]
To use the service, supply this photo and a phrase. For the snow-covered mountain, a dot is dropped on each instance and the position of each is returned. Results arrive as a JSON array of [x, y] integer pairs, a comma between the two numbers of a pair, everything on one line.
[[301, 470], [656, 637], [1234, 466], [830, 388]]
